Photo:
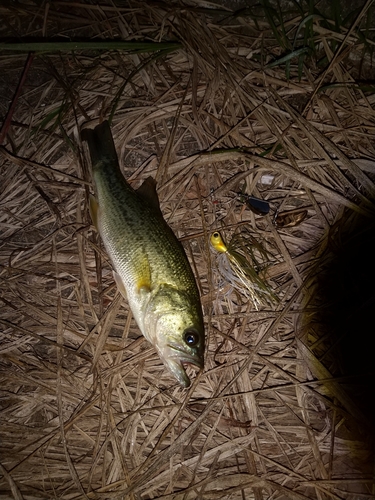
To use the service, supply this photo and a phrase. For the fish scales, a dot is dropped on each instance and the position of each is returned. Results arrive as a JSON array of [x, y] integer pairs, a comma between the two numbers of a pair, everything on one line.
[[151, 267], [125, 218]]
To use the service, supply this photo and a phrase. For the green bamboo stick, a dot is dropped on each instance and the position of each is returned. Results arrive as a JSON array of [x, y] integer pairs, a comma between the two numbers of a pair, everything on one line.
[[89, 45]]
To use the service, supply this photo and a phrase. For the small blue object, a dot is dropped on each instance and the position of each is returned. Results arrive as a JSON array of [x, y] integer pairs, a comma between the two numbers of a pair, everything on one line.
[[256, 205]]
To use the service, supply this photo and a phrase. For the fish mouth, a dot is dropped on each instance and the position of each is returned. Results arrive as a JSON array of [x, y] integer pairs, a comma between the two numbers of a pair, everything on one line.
[[176, 359]]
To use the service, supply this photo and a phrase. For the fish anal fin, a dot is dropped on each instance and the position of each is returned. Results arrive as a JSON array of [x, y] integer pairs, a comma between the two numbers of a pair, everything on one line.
[[94, 211], [120, 284]]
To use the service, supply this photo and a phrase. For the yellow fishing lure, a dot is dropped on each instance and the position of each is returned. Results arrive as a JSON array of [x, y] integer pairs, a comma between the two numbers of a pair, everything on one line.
[[238, 265]]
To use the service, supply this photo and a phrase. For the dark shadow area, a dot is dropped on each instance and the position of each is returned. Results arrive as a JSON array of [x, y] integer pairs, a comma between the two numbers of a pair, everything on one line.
[[340, 324], [349, 289]]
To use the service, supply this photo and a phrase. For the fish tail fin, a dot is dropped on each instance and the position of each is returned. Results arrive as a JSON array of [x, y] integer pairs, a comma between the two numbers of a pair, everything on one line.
[[100, 142]]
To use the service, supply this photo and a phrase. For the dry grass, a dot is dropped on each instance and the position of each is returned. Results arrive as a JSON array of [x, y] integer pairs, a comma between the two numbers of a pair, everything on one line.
[[88, 410]]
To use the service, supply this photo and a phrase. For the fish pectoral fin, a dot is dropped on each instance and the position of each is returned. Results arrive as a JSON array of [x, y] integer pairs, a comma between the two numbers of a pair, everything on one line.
[[120, 284], [94, 210], [143, 287], [143, 275], [147, 191]]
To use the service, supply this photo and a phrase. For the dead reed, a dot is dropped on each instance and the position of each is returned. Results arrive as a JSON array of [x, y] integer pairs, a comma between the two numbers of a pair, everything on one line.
[[276, 102]]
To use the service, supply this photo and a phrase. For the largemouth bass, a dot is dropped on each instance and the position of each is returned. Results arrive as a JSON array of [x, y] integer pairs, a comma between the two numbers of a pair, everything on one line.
[[150, 266]]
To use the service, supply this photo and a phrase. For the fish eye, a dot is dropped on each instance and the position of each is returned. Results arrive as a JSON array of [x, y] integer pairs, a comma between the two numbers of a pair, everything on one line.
[[191, 337]]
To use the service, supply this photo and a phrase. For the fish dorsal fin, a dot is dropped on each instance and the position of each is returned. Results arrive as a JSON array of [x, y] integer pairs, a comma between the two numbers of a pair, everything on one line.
[[147, 191]]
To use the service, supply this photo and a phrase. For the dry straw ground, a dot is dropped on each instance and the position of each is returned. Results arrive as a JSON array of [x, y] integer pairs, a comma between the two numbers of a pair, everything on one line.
[[276, 99]]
